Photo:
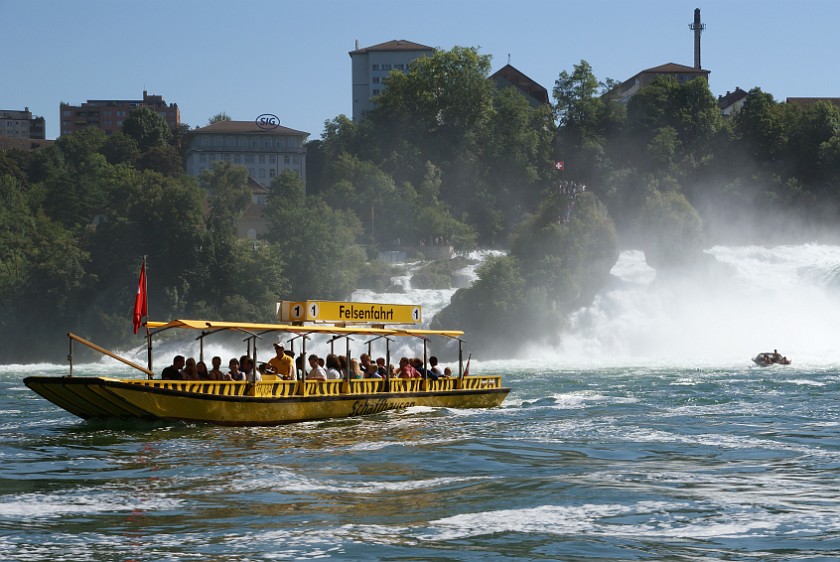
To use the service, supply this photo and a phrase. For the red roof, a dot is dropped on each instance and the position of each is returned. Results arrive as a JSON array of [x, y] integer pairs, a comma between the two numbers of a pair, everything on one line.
[[239, 127], [394, 45]]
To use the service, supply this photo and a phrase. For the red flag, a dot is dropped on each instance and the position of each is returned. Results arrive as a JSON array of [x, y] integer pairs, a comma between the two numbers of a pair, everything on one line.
[[467, 368], [141, 302], [559, 165]]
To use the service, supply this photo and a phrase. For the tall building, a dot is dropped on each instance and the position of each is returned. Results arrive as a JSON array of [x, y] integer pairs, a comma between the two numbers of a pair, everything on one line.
[[265, 152], [109, 115], [372, 64], [18, 124]]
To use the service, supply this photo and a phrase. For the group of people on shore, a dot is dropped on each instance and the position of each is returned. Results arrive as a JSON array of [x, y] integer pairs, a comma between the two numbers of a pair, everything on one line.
[[286, 367]]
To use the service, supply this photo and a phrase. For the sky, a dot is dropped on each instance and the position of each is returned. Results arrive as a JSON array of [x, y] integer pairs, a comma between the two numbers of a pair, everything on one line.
[[290, 58]]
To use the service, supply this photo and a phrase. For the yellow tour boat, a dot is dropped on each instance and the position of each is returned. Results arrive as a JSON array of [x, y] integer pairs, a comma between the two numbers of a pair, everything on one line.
[[272, 400]]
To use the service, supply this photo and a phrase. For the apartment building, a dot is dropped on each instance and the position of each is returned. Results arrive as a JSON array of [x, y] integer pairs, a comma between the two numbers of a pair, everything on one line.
[[109, 115], [16, 124], [371, 65]]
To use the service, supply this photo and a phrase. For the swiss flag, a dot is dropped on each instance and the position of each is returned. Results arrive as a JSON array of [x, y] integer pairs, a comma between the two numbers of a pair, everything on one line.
[[559, 165], [141, 302]]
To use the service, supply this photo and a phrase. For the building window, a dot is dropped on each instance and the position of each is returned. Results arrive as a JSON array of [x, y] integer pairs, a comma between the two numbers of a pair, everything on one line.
[[375, 67], [262, 158], [255, 142], [67, 113], [202, 158], [273, 159], [251, 172], [286, 159], [296, 159], [237, 158], [262, 172], [375, 80], [249, 158], [386, 67], [376, 92], [280, 142], [271, 172]]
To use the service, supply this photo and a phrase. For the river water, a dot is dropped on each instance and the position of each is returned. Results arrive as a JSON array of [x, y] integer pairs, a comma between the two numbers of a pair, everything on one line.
[[632, 441]]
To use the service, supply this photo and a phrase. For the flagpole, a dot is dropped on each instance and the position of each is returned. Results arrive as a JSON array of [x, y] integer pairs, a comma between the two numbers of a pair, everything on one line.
[[148, 333]]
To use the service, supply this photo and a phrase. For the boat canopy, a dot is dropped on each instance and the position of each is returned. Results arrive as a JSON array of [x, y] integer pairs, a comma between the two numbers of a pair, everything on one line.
[[297, 329]]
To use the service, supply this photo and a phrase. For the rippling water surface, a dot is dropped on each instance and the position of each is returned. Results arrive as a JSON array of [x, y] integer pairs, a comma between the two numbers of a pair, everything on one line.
[[646, 436], [630, 463]]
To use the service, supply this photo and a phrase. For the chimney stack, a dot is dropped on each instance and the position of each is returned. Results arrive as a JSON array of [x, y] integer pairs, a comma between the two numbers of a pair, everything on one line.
[[697, 28]]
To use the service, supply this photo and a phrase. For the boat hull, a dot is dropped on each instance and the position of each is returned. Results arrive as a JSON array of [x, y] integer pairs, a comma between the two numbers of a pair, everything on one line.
[[263, 403]]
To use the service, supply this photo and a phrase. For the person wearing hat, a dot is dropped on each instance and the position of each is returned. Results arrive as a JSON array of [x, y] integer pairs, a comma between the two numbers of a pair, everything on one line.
[[282, 365]]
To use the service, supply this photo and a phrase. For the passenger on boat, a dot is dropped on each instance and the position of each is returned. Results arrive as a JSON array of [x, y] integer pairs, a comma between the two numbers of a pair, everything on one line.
[[216, 373], [235, 374], [247, 366], [355, 369], [417, 363], [173, 372], [381, 369], [407, 371], [190, 371], [316, 371], [342, 362], [282, 365], [433, 365], [365, 366], [202, 372], [447, 372], [333, 367]]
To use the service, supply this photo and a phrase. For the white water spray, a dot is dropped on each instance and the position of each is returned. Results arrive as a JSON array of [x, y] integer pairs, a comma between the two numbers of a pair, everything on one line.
[[784, 298]]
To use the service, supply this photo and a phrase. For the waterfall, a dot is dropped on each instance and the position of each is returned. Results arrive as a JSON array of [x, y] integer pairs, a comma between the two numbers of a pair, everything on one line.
[[760, 299]]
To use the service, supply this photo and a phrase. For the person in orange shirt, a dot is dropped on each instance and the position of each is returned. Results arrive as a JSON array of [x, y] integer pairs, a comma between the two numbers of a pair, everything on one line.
[[282, 365]]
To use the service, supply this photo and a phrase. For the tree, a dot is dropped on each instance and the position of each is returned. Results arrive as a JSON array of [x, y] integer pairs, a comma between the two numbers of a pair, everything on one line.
[[147, 128], [316, 241], [221, 116]]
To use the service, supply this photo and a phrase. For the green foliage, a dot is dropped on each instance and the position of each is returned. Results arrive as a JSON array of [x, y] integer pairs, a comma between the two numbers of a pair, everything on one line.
[[672, 231], [147, 128], [221, 116], [316, 241]]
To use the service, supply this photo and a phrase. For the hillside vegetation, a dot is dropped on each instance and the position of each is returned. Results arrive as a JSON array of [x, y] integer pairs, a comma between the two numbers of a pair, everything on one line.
[[445, 158]]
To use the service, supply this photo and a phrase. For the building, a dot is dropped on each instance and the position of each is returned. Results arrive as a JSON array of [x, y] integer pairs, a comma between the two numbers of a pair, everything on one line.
[[109, 115], [806, 102], [732, 102], [18, 124], [681, 73], [508, 76], [252, 224], [371, 65], [265, 152], [627, 89]]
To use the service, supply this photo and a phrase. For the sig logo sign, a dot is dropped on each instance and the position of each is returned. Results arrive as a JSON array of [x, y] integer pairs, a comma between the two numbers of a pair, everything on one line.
[[267, 121]]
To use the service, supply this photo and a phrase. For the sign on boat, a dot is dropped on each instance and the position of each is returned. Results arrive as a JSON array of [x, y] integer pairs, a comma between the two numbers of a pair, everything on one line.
[[273, 400]]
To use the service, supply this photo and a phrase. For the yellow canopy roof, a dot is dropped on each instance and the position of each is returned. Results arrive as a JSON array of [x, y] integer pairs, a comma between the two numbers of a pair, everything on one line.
[[318, 329]]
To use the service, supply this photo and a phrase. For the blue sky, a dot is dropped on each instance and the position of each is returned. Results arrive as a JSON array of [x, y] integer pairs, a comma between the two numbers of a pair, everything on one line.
[[290, 58]]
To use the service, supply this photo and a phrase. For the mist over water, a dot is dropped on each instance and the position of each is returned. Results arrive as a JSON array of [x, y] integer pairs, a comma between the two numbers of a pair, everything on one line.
[[754, 299]]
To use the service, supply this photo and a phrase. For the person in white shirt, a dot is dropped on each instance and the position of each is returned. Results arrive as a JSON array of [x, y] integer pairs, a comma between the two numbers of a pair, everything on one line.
[[316, 372]]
